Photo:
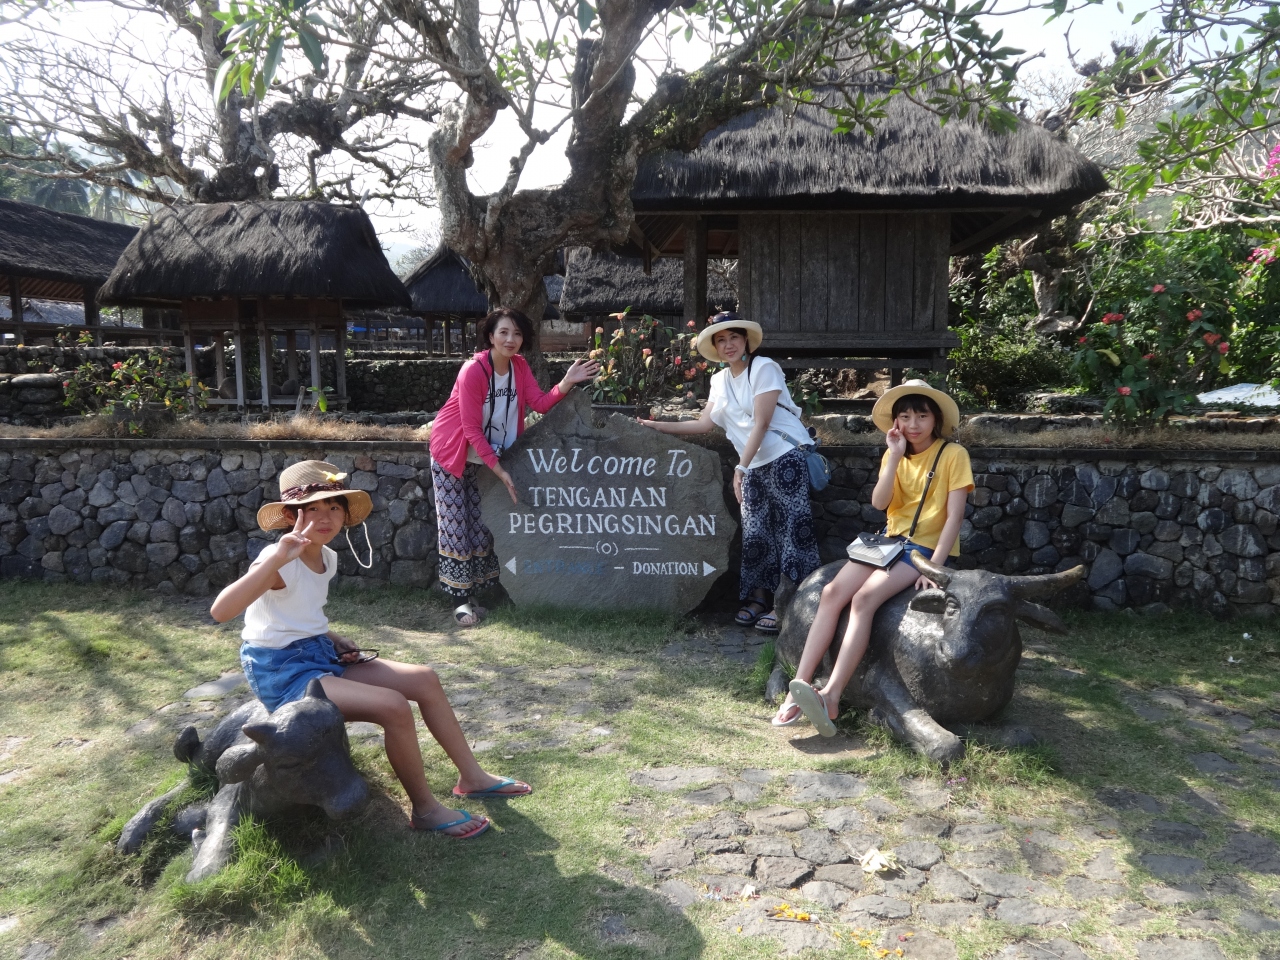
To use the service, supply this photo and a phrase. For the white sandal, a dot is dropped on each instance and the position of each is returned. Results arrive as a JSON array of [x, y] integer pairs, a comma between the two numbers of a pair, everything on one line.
[[814, 706], [788, 704], [467, 610]]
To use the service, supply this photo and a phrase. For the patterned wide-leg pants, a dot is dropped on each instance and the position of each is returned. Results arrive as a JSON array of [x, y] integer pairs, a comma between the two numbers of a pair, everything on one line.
[[777, 525], [467, 560]]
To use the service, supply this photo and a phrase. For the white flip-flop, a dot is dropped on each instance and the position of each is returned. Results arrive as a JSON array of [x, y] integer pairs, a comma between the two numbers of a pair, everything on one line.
[[814, 707], [775, 722]]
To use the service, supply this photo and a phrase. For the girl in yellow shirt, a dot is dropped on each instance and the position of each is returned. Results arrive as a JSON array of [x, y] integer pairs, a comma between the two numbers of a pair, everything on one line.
[[916, 419]]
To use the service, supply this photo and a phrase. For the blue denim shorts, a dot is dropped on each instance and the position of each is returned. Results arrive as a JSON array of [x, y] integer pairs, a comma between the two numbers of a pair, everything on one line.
[[280, 676], [909, 548]]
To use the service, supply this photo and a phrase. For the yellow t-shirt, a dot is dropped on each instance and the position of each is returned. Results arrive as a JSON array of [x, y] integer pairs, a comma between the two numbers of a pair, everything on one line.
[[954, 473]]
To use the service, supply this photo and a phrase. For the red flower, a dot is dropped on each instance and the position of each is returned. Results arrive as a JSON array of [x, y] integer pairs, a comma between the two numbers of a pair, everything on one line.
[[1223, 348], [65, 384], [1111, 318], [676, 361], [1194, 315], [1083, 340], [1124, 391], [1158, 288], [1148, 356], [116, 366], [1211, 338]]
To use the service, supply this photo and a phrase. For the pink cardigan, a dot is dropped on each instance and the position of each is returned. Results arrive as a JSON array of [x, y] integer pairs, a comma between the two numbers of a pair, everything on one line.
[[458, 425]]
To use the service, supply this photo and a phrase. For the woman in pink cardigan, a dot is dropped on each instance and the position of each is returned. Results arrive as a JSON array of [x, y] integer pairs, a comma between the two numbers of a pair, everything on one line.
[[482, 417]]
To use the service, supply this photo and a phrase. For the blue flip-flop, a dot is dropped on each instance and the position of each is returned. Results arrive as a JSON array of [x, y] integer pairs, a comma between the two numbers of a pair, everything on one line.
[[495, 792], [813, 706], [465, 818]]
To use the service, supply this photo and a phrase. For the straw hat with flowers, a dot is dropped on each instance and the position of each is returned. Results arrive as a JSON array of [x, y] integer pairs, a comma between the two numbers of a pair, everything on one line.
[[728, 321], [307, 482]]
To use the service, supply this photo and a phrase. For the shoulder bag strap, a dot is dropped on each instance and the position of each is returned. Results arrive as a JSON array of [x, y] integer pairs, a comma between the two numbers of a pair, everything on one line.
[[927, 481]]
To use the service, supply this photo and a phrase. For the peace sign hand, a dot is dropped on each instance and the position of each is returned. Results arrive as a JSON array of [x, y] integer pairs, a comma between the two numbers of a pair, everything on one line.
[[291, 545]]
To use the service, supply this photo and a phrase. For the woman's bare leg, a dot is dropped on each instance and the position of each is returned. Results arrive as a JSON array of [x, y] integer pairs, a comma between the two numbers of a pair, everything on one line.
[[390, 710], [421, 684], [876, 589]]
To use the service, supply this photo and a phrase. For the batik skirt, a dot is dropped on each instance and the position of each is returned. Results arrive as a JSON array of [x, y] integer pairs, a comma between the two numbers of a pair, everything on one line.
[[777, 524], [467, 560]]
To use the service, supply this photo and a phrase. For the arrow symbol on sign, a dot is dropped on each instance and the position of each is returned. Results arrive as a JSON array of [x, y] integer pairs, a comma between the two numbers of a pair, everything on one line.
[[511, 564], [707, 569]]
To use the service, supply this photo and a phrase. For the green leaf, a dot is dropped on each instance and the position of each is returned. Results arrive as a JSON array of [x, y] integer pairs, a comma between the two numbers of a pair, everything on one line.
[[311, 47], [586, 15], [222, 80], [274, 49]]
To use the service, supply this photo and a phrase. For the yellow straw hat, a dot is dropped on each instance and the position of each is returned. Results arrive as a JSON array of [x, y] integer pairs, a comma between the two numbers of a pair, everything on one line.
[[307, 482], [755, 336], [882, 412]]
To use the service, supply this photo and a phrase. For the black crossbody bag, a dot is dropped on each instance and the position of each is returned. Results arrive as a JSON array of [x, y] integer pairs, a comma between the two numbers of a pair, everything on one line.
[[881, 550]]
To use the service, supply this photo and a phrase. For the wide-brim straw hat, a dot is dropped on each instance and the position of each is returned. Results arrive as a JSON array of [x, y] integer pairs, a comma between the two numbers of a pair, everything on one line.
[[307, 482], [755, 336], [882, 412]]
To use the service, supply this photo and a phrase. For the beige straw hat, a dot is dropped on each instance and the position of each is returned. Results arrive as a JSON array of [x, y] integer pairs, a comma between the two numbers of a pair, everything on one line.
[[755, 336], [307, 482], [882, 412]]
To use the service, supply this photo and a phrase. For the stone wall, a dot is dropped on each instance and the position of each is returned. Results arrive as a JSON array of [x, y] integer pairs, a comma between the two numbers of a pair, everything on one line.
[[1155, 530], [181, 516]]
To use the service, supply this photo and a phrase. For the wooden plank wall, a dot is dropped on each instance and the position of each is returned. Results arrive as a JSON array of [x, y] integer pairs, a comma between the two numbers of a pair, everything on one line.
[[844, 273]]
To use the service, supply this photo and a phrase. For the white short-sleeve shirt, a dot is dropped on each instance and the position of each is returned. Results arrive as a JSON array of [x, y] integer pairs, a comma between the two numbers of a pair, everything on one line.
[[279, 617], [732, 406]]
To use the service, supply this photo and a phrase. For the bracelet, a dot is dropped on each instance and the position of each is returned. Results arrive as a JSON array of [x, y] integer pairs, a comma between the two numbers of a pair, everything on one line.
[[739, 469]]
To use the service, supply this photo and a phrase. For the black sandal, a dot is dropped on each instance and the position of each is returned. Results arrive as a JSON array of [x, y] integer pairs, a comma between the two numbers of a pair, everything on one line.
[[746, 616]]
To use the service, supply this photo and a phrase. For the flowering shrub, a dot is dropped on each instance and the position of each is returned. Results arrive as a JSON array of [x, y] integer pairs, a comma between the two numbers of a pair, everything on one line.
[[133, 383], [644, 360], [1150, 359]]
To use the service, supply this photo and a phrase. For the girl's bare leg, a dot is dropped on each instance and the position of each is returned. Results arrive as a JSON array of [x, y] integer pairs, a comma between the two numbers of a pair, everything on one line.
[[877, 588], [835, 595], [390, 710], [421, 685]]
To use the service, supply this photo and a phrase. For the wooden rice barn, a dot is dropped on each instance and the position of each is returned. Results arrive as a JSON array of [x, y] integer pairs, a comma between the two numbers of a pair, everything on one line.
[[272, 269], [59, 257], [843, 239]]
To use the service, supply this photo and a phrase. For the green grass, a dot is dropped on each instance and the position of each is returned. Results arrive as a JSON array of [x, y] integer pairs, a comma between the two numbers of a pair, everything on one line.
[[86, 664]]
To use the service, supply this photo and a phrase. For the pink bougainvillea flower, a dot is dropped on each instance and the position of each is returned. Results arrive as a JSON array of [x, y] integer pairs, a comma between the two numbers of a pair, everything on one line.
[[1211, 338], [1273, 162], [1110, 318], [1194, 315], [1158, 288], [1223, 348], [1124, 391]]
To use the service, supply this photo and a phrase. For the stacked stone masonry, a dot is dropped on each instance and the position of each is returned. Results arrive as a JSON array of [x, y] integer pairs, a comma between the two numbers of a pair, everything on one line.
[[1154, 533], [184, 520]]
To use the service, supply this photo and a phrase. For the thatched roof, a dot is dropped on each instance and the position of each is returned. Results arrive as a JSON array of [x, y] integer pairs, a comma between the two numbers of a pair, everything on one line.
[[256, 248], [765, 160], [443, 284], [600, 283], [58, 247]]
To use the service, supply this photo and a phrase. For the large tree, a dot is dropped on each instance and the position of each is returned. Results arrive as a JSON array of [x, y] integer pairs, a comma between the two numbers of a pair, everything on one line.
[[609, 76]]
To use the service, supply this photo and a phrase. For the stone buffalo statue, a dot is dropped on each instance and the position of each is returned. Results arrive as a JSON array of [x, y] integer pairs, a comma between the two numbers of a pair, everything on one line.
[[936, 657], [266, 764]]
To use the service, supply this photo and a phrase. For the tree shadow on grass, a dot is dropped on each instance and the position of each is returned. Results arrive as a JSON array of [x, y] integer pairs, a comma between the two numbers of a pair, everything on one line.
[[502, 894]]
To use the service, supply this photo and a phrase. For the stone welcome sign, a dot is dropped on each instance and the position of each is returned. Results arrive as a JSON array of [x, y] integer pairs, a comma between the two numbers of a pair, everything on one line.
[[616, 516]]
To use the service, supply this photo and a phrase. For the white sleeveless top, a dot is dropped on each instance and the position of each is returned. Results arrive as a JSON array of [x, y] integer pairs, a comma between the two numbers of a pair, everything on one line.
[[279, 617]]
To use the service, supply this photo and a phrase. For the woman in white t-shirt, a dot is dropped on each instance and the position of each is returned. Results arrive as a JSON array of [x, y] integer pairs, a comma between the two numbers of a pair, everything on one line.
[[750, 402]]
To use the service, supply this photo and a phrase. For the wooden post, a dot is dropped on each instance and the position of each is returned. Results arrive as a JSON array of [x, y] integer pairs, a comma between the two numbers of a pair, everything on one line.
[[189, 350], [15, 310], [695, 268], [314, 335], [92, 315], [264, 364], [291, 355], [238, 341], [219, 358], [340, 360]]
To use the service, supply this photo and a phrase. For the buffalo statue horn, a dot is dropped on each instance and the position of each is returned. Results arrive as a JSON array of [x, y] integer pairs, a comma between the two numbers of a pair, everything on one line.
[[1044, 585], [939, 575]]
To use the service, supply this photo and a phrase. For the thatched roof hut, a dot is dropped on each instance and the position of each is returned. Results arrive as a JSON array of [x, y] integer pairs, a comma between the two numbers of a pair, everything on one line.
[[55, 256], [269, 248], [842, 239], [263, 267], [603, 283], [771, 160], [442, 285]]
